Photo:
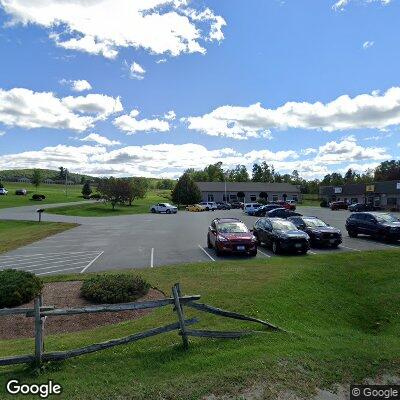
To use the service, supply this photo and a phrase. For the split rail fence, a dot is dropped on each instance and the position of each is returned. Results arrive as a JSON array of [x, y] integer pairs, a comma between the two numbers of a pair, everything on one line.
[[40, 312]]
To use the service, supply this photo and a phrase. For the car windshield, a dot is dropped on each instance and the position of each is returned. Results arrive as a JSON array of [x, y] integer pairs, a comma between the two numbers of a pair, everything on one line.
[[386, 218], [232, 227], [283, 225], [314, 222]]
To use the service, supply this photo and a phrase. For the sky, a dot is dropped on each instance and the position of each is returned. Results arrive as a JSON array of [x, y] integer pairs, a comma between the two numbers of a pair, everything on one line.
[[153, 87]]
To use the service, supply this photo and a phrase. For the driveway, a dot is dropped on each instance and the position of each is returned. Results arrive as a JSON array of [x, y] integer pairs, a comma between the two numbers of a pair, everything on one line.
[[143, 241]]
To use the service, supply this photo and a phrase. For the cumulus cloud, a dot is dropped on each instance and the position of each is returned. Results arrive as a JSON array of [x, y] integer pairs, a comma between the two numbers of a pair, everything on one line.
[[130, 124], [348, 150], [95, 137], [340, 5], [159, 26], [24, 108], [368, 111], [170, 115], [366, 45], [136, 71]]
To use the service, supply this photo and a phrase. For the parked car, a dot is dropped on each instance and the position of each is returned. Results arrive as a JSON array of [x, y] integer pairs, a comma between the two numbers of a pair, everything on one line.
[[223, 206], [261, 211], [281, 213], [338, 205], [321, 234], [3, 191], [281, 235], [287, 205], [250, 208], [358, 207], [164, 208], [195, 208], [209, 205], [237, 204], [231, 235], [21, 192], [376, 224]]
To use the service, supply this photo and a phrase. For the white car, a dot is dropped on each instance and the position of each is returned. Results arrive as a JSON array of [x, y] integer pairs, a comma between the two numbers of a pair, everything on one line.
[[3, 191], [209, 205], [163, 208], [250, 208]]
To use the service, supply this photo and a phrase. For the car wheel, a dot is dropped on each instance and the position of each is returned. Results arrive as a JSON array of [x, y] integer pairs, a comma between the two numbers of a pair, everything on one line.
[[207, 209], [335, 245], [275, 247], [253, 253], [168, 212], [258, 240], [218, 252], [153, 210], [352, 234], [304, 251], [209, 244]]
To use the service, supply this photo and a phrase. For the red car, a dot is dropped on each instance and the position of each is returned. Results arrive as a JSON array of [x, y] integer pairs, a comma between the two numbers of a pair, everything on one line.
[[339, 205], [230, 235], [287, 205]]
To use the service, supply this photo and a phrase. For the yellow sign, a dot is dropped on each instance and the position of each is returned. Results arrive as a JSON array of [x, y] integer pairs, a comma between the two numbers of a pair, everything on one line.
[[370, 188]]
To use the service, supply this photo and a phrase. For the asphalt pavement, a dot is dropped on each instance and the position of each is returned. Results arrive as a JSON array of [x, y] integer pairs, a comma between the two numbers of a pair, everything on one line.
[[144, 240]]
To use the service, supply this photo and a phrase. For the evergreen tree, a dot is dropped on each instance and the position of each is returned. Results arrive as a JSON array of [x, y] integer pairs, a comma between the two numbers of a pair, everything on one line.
[[37, 178], [186, 191], [86, 190]]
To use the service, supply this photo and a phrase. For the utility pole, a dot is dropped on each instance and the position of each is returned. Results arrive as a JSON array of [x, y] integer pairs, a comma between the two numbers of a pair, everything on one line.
[[66, 182]]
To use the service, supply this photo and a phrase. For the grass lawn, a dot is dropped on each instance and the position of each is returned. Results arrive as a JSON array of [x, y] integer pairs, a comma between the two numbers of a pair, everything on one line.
[[310, 200], [53, 193], [14, 234], [342, 311], [100, 209]]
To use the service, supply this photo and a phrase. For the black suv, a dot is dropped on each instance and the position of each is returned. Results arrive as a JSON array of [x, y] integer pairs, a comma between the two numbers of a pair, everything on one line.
[[281, 235], [321, 234], [282, 213], [261, 211], [380, 225]]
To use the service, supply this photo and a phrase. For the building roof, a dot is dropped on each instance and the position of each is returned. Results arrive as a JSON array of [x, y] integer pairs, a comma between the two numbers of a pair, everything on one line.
[[247, 187], [389, 187]]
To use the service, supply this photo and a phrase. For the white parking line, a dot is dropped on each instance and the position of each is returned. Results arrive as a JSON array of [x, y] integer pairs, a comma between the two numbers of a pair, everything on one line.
[[206, 252], [91, 262], [52, 267], [44, 254], [58, 270], [152, 258], [350, 248], [265, 254]]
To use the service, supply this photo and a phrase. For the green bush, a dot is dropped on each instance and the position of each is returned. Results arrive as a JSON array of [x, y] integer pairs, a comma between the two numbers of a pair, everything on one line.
[[38, 197], [95, 196], [324, 203], [114, 288], [18, 287]]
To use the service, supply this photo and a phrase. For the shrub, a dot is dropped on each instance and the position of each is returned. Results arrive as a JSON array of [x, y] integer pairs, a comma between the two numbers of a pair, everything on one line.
[[324, 203], [114, 288], [18, 287], [38, 197]]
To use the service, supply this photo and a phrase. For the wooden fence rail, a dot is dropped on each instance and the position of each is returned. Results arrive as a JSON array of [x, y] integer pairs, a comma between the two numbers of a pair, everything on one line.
[[40, 312]]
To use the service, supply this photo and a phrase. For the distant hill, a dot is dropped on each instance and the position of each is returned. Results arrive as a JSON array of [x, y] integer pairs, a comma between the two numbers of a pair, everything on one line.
[[11, 174]]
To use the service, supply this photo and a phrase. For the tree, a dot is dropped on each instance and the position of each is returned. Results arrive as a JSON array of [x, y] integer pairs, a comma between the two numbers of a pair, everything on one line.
[[165, 184], [138, 188], [350, 176], [237, 174], [256, 173], [86, 190], [114, 191], [186, 191], [1, 184], [63, 173], [388, 171], [37, 178]]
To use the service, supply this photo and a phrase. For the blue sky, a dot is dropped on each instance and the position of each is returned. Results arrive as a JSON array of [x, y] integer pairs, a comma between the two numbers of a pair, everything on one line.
[[89, 85]]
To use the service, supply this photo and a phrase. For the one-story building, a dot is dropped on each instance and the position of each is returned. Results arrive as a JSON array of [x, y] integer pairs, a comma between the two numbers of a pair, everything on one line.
[[247, 191], [380, 194]]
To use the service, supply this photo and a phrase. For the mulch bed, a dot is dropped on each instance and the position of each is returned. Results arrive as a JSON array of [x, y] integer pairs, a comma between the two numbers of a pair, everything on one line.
[[66, 295]]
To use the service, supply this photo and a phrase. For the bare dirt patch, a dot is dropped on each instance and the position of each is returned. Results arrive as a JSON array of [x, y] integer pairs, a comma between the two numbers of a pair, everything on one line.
[[65, 295]]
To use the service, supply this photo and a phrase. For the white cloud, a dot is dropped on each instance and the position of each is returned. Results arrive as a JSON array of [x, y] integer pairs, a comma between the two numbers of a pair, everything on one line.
[[340, 5], [27, 109], [170, 115], [368, 44], [95, 137], [104, 26], [77, 86], [136, 71], [129, 123], [308, 151], [2, 133], [161, 61], [368, 111], [348, 150]]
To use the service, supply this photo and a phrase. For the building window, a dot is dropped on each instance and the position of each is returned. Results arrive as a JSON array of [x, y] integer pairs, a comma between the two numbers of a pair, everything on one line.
[[296, 198], [253, 197], [210, 197], [233, 197], [275, 197]]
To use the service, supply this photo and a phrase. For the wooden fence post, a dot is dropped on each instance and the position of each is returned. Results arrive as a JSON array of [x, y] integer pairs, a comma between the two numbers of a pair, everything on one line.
[[179, 310], [38, 330]]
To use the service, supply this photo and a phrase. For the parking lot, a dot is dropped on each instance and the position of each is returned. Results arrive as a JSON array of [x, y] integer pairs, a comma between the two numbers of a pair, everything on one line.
[[146, 241]]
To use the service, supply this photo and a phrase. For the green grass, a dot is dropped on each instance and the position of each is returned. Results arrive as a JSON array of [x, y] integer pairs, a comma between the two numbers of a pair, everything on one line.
[[100, 209], [310, 200], [342, 311], [14, 234], [53, 193]]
